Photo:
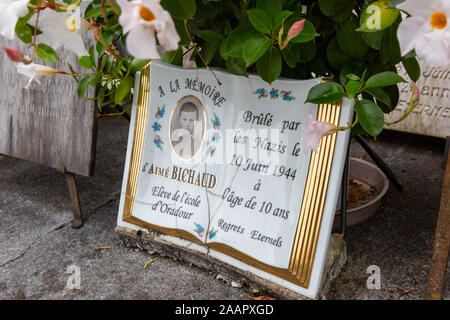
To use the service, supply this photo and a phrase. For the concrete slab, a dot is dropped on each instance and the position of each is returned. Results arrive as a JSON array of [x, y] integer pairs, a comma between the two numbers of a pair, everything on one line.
[[37, 244]]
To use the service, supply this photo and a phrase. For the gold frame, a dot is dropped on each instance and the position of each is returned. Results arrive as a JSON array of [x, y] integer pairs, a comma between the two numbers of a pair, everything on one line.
[[313, 202], [204, 127]]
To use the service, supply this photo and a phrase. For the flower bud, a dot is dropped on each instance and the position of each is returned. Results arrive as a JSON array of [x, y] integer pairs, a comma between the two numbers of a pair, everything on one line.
[[293, 31], [415, 94], [14, 54]]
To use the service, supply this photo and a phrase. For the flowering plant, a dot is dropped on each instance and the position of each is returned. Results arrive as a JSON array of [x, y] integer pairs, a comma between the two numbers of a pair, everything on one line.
[[356, 43]]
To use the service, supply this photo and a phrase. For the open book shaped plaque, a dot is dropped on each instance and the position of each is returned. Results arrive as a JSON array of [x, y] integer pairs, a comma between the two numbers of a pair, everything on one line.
[[221, 169]]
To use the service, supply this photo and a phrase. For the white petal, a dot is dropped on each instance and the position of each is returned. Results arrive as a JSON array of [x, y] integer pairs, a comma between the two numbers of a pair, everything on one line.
[[408, 32], [419, 8], [167, 34], [442, 6], [433, 49], [141, 43], [74, 42], [19, 7], [129, 18]]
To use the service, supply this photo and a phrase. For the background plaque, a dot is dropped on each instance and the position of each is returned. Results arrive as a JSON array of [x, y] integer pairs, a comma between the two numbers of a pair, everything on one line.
[[242, 190], [431, 117], [46, 123]]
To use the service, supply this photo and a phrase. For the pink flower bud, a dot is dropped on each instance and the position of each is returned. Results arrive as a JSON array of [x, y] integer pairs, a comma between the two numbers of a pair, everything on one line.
[[14, 54], [294, 31], [415, 94]]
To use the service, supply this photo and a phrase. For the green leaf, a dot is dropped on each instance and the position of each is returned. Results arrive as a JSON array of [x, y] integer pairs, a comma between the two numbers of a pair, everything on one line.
[[308, 33], [174, 57], [384, 79], [336, 57], [82, 85], [338, 9], [327, 92], [373, 39], [96, 11], [380, 95], [352, 76], [291, 54], [352, 87], [254, 49], [210, 35], [390, 47], [24, 32], [92, 55], [236, 41], [123, 89], [356, 68], [307, 51], [370, 116], [272, 7], [138, 64], [85, 62], [377, 16], [236, 66], [412, 67], [46, 53], [350, 40], [260, 20], [209, 50], [269, 65], [281, 18], [109, 63], [100, 97], [180, 9]]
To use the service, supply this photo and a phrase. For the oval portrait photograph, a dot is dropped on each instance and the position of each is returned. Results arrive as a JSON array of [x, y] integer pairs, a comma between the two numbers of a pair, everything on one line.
[[187, 127]]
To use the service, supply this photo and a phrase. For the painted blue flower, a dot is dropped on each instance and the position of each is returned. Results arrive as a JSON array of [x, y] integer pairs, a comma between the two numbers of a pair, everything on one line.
[[261, 92], [160, 113], [158, 142], [199, 229], [274, 93], [211, 234], [156, 126], [216, 122]]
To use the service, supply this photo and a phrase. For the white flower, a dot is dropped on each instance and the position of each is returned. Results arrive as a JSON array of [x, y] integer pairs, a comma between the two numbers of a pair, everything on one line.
[[141, 18], [10, 11], [33, 70], [62, 29], [427, 30]]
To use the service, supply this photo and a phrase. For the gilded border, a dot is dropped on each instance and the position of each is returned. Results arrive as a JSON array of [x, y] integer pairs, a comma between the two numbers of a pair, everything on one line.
[[311, 212]]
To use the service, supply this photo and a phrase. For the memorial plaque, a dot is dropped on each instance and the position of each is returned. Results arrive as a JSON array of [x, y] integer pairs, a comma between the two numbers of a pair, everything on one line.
[[222, 170], [431, 117], [46, 123]]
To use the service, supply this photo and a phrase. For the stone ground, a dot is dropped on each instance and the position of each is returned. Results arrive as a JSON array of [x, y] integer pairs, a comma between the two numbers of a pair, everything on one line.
[[37, 243]]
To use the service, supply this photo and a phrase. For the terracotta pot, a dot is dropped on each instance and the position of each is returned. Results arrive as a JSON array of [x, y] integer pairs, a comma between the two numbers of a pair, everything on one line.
[[365, 176]]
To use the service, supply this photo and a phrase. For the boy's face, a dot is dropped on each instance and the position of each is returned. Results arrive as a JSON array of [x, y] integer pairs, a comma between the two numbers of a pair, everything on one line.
[[187, 120]]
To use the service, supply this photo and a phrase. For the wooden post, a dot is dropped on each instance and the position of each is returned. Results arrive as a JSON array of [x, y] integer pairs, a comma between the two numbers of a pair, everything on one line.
[[439, 260]]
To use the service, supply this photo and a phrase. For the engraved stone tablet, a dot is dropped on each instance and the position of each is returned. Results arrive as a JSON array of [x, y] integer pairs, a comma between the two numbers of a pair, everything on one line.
[[431, 116]]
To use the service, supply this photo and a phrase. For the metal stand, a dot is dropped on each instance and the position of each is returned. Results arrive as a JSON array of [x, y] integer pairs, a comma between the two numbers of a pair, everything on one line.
[[73, 192], [344, 185], [447, 146]]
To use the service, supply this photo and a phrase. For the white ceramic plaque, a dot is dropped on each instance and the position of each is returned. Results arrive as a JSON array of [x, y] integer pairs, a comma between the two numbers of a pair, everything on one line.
[[216, 162], [431, 116]]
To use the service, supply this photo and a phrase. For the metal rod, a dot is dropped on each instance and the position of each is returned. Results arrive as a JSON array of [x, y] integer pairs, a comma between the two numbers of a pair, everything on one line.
[[447, 146], [73, 192], [344, 194], [439, 260], [380, 163]]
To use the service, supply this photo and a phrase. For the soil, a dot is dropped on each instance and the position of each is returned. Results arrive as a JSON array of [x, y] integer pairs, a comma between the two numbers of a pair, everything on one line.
[[359, 193]]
